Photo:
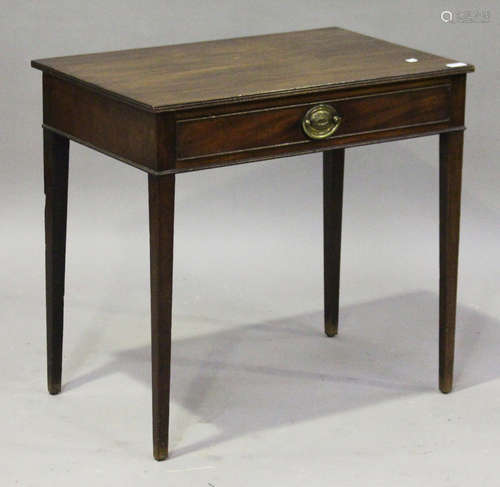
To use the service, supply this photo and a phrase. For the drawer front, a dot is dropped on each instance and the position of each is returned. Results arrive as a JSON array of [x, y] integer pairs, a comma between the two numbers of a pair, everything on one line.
[[257, 130]]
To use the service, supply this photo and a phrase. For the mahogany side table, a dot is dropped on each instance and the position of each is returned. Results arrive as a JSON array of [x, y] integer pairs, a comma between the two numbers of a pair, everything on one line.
[[172, 109]]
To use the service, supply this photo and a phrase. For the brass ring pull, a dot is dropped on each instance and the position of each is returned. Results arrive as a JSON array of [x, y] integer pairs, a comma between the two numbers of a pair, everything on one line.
[[321, 121]]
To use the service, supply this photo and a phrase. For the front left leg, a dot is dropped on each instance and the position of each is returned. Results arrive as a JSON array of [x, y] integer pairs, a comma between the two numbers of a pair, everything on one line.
[[161, 230]]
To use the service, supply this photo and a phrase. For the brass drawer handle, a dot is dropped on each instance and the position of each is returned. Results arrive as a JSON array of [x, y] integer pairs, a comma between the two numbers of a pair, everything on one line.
[[321, 121]]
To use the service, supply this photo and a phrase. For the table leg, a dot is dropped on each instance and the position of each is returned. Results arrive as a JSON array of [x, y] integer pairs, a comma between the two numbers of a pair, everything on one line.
[[333, 184], [161, 230], [450, 177], [56, 156]]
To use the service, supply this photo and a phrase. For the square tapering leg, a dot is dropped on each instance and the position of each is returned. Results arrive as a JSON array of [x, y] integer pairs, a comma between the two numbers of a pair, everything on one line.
[[161, 230], [450, 182], [333, 188], [56, 156]]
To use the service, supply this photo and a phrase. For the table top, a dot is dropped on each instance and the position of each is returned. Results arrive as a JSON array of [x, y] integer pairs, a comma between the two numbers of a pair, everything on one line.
[[247, 68]]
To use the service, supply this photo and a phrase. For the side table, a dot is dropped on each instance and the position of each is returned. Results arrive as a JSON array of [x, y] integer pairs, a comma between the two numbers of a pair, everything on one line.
[[172, 109]]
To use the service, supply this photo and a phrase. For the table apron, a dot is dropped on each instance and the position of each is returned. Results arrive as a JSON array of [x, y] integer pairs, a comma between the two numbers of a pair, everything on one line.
[[202, 138]]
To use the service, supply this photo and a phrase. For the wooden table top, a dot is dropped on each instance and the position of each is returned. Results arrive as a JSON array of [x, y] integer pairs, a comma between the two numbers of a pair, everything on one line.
[[247, 68]]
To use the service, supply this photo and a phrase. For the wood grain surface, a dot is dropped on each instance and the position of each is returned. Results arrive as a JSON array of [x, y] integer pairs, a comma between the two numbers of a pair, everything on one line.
[[273, 127], [186, 75]]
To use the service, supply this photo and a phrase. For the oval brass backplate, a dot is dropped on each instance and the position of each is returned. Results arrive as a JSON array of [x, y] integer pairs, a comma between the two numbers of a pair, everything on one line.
[[321, 121]]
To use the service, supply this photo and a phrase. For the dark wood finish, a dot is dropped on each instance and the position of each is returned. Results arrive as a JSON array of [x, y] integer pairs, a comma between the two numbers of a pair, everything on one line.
[[450, 182], [333, 190], [317, 146], [172, 109], [457, 115], [161, 230], [274, 127], [117, 129], [56, 156], [148, 141], [242, 69]]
